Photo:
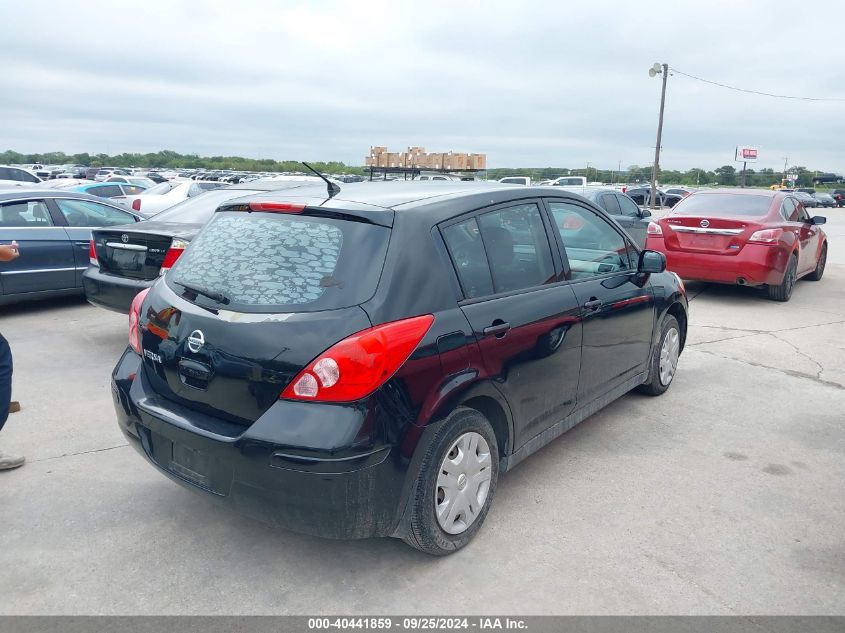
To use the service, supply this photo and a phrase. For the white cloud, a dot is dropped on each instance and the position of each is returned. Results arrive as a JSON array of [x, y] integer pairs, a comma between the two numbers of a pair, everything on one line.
[[530, 84]]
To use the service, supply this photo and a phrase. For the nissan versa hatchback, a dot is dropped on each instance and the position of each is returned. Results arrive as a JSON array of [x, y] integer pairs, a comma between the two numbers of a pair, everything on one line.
[[369, 364]]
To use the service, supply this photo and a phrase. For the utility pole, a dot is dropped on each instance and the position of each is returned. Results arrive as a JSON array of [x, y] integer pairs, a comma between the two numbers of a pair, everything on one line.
[[785, 161], [653, 71]]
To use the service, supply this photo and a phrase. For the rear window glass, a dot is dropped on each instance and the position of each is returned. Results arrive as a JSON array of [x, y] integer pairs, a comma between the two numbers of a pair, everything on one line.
[[199, 209], [264, 262], [723, 204], [161, 188]]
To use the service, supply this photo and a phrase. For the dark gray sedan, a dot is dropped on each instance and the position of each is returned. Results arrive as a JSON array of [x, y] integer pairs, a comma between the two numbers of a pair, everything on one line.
[[53, 232], [622, 209]]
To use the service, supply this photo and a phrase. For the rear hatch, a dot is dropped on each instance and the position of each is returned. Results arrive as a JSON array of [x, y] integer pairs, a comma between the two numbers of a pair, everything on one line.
[[252, 301], [715, 223], [135, 253]]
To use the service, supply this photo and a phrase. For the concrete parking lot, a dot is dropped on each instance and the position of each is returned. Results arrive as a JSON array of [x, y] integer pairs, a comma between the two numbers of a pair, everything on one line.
[[725, 496]]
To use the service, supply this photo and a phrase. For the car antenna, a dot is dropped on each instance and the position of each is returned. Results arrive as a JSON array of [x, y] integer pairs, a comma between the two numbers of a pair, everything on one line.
[[333, 188]]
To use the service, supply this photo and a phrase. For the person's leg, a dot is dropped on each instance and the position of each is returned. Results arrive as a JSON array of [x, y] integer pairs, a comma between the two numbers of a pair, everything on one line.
[[5, 380], [6, 461]]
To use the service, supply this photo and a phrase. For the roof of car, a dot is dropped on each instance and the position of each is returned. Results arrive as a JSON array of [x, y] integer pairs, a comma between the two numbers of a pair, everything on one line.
[[441, 200], [14, 193]]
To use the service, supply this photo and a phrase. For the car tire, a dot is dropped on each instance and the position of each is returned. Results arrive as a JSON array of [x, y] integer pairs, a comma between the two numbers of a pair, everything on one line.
[[664, 361], [426, 530], [817, 273], [783, 291]]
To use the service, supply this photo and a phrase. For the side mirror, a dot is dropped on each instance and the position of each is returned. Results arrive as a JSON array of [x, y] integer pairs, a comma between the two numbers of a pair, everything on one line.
[[645, 213], [651, 262], [818, 219]]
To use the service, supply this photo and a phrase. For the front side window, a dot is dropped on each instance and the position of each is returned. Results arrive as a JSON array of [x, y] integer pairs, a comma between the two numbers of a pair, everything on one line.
[[787, 209], [610, 204], [23, 176], [593, 247], [88, 213], [628, 206], [32, 214]]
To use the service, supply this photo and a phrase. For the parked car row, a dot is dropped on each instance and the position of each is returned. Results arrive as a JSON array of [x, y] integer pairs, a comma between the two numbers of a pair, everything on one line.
[[378, 396]]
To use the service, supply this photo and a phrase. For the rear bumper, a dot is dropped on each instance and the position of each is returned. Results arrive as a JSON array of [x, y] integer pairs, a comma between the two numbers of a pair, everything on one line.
[[254, 470], [754, 265], [111, 291]]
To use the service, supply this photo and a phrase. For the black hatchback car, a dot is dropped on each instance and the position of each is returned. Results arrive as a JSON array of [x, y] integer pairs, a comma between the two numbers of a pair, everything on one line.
[[369, 364]]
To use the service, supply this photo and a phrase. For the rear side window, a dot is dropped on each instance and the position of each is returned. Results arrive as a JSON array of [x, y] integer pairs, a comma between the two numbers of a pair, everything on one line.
[[501, 251], [467, 250], [106, 192], [264, 262], [88, 213]]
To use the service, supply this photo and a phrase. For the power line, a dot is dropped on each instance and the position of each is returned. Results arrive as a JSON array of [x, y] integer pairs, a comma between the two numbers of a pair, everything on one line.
[[757, 92]]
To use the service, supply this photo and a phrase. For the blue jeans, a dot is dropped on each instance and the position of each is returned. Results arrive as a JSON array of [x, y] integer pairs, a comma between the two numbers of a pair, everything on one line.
[[5, 379]]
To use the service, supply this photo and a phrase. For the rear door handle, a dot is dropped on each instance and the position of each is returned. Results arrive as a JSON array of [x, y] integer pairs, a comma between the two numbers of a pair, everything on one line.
[[593, 305], [499, 328]]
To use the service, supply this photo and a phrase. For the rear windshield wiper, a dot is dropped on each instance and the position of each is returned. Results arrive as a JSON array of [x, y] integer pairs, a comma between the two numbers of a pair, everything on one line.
[[206, 292]]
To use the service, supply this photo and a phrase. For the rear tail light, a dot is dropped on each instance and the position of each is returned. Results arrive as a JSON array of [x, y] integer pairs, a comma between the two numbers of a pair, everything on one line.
[[359, 364], [654, 229], [92, 254], [277, 207], [766, 236], [136, 204], [135, 320], [177, 247]]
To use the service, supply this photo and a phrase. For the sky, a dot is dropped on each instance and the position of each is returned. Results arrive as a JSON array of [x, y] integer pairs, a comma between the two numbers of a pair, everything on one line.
[[531, 84]]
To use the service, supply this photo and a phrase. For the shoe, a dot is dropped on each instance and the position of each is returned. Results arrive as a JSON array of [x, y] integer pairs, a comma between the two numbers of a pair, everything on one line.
[[7, 462], [14, 406]]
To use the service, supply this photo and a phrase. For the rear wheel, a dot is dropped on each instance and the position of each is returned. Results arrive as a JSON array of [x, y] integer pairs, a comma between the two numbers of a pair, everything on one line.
[[784, 291], [664, 362], [819, 270], [456, 484]]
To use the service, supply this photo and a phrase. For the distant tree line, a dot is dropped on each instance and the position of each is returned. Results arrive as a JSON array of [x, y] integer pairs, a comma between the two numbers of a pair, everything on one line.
[[726, 175], [172, 160]]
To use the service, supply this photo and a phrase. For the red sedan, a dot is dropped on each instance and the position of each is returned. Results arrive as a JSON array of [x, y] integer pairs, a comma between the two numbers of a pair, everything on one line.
[[749, 237]]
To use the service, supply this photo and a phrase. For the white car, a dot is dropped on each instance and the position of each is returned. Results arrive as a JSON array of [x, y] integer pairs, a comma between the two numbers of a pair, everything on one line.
[[146, 183], [101, 175], [516, 180], [164, 195], [17, 177]]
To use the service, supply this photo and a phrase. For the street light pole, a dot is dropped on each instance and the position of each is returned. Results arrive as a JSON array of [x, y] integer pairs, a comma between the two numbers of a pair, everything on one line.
[[656, 70]]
